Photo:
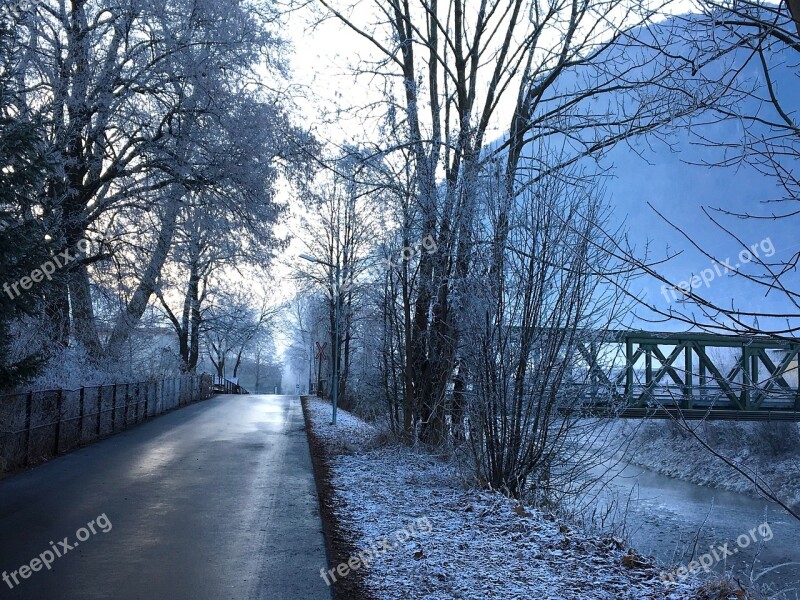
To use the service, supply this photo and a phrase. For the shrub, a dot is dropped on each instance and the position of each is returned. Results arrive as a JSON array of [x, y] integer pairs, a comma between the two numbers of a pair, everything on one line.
[[776, 439]]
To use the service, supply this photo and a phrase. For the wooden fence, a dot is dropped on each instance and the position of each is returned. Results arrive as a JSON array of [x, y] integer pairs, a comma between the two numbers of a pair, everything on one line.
[[36, 426]]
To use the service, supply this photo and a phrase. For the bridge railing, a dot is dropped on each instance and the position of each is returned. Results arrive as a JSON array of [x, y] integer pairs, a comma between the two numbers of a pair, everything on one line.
[[38, 425], [644, 369], [228, 386]]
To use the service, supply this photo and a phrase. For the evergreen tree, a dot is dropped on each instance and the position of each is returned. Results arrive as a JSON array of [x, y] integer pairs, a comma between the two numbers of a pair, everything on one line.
[[23, 246]]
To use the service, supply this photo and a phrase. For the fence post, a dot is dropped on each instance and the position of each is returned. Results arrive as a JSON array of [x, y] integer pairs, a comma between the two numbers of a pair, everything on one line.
[[113, 406], [99, 407], [28, 404], [80, 420], [59, 402], [127, 399]]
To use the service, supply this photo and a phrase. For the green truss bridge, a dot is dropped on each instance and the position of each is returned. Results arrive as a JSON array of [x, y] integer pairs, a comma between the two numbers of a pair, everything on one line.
[[640, 374]]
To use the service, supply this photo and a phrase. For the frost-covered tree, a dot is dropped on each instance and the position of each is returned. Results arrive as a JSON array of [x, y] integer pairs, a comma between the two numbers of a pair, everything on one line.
[[470, 83], [147, 104], [234, 327], [341, 222]]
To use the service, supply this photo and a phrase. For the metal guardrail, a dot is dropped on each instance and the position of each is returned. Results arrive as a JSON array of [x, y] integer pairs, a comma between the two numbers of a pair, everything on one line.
[[36, 426]]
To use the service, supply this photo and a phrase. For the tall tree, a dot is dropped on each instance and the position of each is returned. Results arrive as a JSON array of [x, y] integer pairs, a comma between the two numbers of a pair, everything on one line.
[[456, 73], [341, 222], [145, 103], [233, 326]]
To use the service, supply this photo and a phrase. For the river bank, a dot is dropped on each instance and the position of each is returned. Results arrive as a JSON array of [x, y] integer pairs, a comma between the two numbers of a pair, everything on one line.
[[678, 522], [412, 529], [676, 501], [772, 450]]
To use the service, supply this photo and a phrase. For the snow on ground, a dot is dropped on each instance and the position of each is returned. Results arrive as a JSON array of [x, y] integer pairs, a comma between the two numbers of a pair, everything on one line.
[[351, 433], [657, 447], [432, 538]]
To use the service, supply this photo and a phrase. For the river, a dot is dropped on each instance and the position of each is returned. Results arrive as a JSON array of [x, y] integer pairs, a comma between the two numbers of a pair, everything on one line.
[[666, 518]]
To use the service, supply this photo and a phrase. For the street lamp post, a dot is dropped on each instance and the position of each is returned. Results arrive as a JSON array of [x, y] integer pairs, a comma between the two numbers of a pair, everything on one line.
[[335, 353]]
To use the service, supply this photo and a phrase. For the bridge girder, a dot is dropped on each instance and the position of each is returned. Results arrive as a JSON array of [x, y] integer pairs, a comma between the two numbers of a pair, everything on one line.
[[755, 383]]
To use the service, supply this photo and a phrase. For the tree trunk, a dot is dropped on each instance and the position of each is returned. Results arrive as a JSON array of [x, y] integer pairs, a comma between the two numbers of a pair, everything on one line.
[[84, 327], [130, 316], [794, 9]]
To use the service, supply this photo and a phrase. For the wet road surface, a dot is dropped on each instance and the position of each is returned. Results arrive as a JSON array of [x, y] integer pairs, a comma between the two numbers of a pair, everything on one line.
[[213, 501]]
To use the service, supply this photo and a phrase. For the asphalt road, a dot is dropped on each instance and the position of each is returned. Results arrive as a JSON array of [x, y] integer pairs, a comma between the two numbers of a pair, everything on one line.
[[216, 500]]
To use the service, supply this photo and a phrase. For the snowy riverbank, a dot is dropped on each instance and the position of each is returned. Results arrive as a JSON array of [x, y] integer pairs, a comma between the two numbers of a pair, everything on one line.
[[422, 534], [771, 449]]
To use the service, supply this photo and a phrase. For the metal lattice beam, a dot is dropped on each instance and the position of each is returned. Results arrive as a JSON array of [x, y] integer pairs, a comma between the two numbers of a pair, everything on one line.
[[755, 382]]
